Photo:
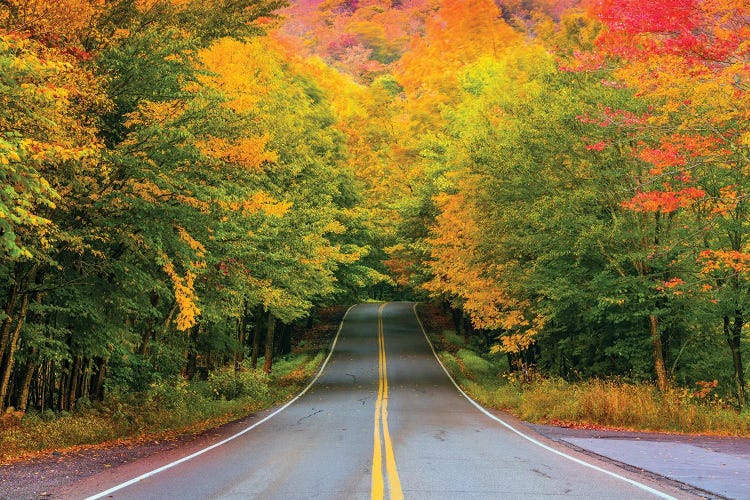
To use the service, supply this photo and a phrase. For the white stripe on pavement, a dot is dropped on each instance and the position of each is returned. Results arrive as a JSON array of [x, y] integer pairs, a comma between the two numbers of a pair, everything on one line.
[[230, 438], [531, 439]]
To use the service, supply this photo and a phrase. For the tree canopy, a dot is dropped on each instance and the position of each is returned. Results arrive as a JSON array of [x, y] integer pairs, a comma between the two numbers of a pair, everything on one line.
[[179, 177]]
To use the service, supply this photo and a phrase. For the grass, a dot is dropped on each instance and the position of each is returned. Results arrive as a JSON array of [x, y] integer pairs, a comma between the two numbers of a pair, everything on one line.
[[587, 404], [169, 408]]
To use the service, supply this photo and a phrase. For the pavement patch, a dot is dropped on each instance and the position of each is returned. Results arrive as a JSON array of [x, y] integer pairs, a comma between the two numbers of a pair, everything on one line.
[[724, 474]]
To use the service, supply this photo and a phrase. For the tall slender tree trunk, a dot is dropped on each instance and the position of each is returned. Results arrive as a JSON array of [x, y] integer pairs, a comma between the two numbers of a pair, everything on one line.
[[191, 355], [168, 321], [72, 394], [85, 383], [9, 358], [23, 396], [62, 400], [7, 323], [101, 373], [658, 351], [32, 362], [45, 391], [270, 330], [256, 340], [733, 334], [239, 353]]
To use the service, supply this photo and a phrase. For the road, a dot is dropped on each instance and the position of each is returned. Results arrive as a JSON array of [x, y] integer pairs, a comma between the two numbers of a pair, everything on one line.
[[382, 421]]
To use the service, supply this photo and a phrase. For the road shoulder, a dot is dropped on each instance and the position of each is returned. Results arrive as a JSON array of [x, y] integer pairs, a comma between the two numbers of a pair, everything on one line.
[[710, 466]]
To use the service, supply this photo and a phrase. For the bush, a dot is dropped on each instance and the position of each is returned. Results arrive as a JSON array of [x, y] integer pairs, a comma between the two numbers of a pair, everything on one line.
[[296, 370], [227, 384], [170, 393]]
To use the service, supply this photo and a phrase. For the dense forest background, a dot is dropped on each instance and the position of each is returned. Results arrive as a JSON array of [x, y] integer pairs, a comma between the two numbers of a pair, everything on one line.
[[182, 180]]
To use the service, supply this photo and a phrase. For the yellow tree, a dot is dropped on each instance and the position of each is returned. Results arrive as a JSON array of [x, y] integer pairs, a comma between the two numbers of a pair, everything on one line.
[[461, 272], [290, 152], [458, 34]]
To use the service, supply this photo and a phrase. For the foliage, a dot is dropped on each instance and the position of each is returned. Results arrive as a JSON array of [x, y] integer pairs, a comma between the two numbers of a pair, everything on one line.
[[228, 384], [183, 182], [161, 208]]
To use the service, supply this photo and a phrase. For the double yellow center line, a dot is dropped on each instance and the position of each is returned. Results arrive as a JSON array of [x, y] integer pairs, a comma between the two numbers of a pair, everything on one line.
[[381, 420]]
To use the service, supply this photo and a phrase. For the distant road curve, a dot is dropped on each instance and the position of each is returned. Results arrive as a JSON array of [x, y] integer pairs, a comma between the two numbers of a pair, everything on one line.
[[382, 420]]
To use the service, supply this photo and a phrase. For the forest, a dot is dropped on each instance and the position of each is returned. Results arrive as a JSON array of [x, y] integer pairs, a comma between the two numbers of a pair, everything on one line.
[[185, 180]]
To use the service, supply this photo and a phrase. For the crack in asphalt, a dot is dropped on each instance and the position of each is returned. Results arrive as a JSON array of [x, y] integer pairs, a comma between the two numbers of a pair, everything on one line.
[[537, 471], [354, 378], [299, 421]]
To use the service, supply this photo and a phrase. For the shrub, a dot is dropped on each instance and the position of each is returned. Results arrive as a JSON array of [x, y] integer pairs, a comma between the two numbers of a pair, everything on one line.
[[170, 393], [227, 384], [593, 402]]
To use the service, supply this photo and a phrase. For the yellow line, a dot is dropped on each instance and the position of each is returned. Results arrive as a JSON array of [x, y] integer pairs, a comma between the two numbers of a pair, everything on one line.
[[378, 489], [381, 418]]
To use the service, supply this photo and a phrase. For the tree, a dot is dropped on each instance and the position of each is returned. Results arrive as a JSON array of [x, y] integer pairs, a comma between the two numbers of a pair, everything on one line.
[[689, 59]]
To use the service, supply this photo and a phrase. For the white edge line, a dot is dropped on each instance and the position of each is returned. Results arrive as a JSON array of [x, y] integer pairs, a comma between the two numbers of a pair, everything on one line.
[[235, 436], [529, 438]]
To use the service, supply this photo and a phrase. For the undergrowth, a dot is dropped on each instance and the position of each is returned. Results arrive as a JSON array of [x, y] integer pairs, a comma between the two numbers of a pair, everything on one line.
[[169, 407], [591, 403]]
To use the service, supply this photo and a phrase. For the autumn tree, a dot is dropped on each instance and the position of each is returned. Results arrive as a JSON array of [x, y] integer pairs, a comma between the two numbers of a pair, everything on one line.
[[689, 60]]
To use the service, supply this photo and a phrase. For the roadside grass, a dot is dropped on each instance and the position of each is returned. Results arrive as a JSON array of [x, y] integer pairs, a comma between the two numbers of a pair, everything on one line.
[[593, 403], [169, 408]]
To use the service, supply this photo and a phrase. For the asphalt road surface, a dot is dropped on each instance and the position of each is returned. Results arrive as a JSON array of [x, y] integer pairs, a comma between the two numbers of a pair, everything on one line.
[[382, 421]]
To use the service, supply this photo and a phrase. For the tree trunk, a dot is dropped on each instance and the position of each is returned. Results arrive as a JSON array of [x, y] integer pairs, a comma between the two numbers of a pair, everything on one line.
[[285, 341], [168, 321], [239, 353], [270, 330], [46, 390], [191, 355], [98, 392], [733, 333], [84, 385], [661, 372], [23, 397], [7, 365], [10, 305], [148, 332], [62, 400], [73, 387], [256, 340]]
